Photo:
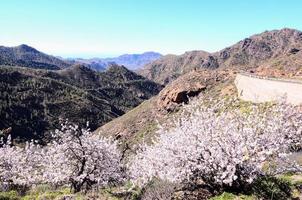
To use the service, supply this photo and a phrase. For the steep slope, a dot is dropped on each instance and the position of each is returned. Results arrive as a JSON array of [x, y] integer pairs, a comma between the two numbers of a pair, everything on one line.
[[257, 51], [26, 56], [140, 124], [131, 61], [32, 101]]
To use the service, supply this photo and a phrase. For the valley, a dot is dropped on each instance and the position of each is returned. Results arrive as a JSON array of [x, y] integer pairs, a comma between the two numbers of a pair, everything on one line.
[[34, 101]]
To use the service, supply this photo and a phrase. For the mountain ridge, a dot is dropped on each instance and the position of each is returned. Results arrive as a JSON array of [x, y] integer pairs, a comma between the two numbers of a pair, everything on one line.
[[26, 56], [131, 61], [251, 52]]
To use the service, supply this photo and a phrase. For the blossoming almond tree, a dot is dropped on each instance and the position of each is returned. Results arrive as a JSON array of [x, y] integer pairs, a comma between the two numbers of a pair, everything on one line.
[[223, 149], [74, 157], [79, 158]]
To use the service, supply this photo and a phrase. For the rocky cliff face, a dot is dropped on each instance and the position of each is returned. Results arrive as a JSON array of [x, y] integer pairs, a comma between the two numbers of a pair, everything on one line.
[[272, 49]]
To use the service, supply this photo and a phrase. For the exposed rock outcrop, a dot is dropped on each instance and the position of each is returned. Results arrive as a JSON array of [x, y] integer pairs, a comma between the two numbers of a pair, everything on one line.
[[179, 91]]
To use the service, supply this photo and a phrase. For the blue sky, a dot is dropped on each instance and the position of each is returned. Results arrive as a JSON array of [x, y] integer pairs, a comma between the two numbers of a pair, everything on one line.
[[88, 28]]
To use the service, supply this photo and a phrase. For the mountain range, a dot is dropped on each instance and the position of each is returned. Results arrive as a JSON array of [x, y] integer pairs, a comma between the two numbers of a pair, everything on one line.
[[270, 49], [131, 61], [26, 56], [38, 89]]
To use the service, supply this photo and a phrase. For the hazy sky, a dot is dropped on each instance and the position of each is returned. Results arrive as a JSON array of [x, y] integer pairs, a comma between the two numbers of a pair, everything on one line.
[[89, 28]]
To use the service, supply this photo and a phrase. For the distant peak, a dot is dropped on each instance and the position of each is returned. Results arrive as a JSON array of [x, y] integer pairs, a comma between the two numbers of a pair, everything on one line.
[[27, 48], [151, 52]]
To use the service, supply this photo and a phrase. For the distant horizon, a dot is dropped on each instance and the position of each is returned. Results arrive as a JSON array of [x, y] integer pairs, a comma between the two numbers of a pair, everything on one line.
[[108, 28], [112, 55], [105, 55], [96, 55], [101, 55], [84, 56]]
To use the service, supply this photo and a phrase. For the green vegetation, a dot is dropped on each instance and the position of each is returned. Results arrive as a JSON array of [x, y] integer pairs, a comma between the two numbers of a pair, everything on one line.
[[294, 179], [230, 196], [272, 188], [266, 188], [283, 187], [32, 101], [48, 194], [37, 194], [44, 192], [11, 195]]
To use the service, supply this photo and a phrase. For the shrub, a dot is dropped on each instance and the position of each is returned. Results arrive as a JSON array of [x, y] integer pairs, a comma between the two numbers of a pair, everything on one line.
[[11, 195], [268, 187]]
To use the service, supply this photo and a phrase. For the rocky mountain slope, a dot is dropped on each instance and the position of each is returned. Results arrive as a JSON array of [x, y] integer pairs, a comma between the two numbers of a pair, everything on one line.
[[199, 74], [140, 124], [279, 49], [131, 61], [32, 101], [26, 56]]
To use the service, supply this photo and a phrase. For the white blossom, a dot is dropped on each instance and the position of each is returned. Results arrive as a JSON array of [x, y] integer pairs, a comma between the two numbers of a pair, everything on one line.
[[74, 157], [219, 147]]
